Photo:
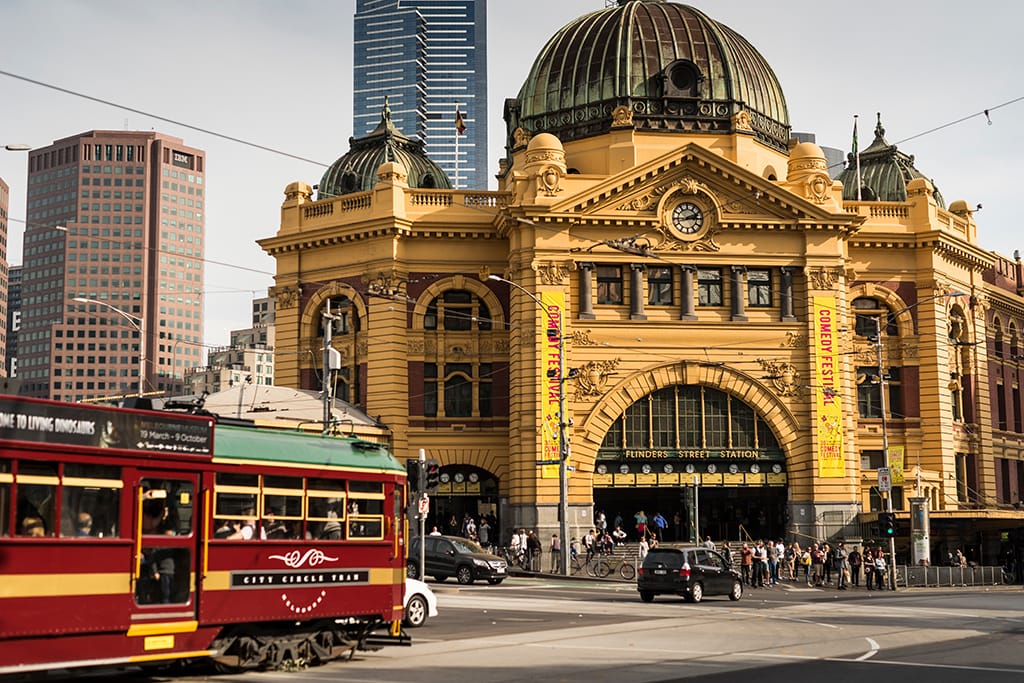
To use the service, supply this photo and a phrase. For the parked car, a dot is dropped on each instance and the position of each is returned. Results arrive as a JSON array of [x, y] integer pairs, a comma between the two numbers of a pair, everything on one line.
[[691, 572], [446, 556], [420, 603]]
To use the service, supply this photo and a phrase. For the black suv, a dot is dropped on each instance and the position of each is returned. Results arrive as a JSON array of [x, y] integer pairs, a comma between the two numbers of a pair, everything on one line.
[[691, 572], [446, 556]]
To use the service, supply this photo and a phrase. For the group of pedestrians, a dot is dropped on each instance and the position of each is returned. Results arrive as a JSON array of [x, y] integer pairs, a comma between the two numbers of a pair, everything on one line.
[[765, 564]]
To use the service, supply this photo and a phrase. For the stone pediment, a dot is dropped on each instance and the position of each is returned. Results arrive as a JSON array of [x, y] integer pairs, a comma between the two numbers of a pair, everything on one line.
[[737, 196]]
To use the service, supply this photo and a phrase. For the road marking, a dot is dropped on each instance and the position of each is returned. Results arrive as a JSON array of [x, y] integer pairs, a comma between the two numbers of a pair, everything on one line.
[[870, 653]]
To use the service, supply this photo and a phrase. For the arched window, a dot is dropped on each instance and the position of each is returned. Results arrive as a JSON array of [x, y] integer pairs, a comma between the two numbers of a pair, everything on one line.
[[344, 317], [869, 317], [1014, 343], [457, 310], [997, 336]]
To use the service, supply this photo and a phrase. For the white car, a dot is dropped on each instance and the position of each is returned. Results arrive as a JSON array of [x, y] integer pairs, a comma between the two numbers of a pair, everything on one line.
[[420, 603]]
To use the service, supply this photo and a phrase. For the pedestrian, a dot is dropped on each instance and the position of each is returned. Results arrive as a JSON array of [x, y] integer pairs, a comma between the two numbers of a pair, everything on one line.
[[817, 564], [827, 562], [556, 553], [484, 533], [660, 524], [642, 549], [855, 560], [842, 567], [880, 568], [641, 524], [757, 565], [746, 562], [533, 549]]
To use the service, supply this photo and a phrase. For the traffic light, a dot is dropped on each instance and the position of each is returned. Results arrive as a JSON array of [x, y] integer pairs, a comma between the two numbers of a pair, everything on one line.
[[433, 475], [887, 524], [412, 469]]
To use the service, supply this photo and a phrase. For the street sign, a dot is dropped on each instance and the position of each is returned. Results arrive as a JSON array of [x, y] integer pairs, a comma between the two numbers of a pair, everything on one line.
[[424, 505], [884, 480]]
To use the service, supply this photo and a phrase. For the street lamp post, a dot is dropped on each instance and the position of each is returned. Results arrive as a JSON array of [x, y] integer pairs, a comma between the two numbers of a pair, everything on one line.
[[563, 440], [138, 323], [883, 399]]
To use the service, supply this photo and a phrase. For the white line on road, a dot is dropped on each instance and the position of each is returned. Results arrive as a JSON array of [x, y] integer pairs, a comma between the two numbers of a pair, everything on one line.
[[870, 653]]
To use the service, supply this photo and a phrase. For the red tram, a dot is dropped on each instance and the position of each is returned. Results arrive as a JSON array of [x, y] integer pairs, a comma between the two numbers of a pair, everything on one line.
[[134, 537]]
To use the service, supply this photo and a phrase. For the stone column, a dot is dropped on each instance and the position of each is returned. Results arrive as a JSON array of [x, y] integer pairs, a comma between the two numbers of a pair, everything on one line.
[[687, 311], [586, 304], [786, 295], [738, 291], [636, 291]]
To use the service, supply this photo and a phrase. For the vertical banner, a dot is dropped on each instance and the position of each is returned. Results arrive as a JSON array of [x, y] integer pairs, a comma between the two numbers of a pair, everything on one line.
[[831, 461], [897, 455], [550, 381]]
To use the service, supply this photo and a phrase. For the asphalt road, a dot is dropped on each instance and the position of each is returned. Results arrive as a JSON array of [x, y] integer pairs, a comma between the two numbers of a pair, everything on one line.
[[538, 630]]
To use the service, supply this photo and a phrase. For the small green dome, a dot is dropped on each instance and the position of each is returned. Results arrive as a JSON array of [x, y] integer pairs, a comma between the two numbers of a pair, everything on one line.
[[356, 171], [884, 172], [675, 68]]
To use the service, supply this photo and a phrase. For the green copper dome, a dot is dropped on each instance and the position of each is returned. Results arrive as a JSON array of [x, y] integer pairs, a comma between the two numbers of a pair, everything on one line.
[[884, 172], [356, 171], [675, 68]]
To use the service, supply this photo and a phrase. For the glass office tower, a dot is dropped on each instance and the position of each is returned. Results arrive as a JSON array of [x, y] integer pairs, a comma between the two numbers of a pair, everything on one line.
[[429, 58]]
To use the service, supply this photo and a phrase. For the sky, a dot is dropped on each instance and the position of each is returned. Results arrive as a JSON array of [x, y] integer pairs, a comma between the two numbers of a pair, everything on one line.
[[278, 75]]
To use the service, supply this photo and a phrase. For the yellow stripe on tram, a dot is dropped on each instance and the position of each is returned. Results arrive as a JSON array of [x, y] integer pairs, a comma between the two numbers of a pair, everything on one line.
[[63, 585]]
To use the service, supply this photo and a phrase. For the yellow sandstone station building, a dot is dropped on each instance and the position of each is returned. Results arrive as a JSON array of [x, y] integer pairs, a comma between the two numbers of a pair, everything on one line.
[[735, 336]]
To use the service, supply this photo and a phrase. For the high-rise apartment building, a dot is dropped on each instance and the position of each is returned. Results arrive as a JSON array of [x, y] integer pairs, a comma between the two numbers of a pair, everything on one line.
[[116, 218], [4, 202], [13, 319], [429, 59]]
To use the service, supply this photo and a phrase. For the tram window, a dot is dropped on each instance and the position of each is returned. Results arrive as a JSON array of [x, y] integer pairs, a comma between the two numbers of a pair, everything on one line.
[[6, 479], [232, 479], [36, 486], [282, 515], [167, 507], [366, 509], [90, 501], [326, 514]]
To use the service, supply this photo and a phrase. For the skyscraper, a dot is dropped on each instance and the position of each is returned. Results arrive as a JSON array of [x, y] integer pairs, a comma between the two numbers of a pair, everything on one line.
[[429, 58], [4, 200], [115, 217]]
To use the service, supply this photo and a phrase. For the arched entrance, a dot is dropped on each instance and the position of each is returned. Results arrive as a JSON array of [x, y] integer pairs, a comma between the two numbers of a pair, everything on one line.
[[464, 491], [706, 460]]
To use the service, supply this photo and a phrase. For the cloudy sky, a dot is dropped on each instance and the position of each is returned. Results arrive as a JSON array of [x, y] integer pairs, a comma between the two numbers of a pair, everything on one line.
[[278, 74]]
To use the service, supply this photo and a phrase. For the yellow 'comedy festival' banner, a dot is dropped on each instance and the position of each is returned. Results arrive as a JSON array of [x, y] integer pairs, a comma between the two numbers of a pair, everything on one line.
[[550, 382], [831, 462], [897, 456]]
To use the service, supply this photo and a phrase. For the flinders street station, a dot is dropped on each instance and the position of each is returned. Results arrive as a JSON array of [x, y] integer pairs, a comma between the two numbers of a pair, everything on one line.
[[673, 293]]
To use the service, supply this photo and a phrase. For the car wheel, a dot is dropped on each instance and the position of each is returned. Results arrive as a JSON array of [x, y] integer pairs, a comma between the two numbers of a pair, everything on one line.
[[412, 570], [737, 591], [494, 582], [696, 593], [464, 574], [416, 611], [647, 596]]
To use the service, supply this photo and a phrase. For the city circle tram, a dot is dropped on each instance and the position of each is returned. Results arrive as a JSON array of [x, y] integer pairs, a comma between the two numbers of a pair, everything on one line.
[[135, 537]]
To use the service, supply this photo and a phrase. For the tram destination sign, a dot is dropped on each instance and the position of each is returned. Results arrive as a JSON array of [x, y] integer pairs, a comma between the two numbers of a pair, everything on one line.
[[101, 427]]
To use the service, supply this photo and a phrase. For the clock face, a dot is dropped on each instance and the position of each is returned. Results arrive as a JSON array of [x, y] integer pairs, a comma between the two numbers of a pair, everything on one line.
[[687, 218]]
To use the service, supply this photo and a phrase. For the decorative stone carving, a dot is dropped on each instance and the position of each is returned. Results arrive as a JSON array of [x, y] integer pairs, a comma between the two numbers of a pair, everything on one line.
[[552, 273], [689, 185], [743, 121], [416, 345], [823, 277], [818, 188], [622, 117], [795, 340], [285, 297], [592, 379], [549, 181], [389, 285], [582, 338], [521, 137], [782, 375]]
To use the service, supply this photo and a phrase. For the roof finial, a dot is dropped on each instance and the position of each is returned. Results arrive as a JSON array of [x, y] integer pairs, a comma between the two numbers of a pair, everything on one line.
[[386, 112], [879, 131]]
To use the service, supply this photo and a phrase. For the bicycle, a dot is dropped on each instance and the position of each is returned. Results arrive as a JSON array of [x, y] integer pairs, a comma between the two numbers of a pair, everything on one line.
[[601, 567]]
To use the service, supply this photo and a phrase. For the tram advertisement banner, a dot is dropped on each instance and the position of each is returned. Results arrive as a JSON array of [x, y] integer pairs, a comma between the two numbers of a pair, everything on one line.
[[831, 461], [97, 427], [551, 383]]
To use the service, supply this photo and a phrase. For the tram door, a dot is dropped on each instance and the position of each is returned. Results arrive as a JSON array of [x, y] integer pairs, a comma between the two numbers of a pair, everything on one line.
[[165, 532]]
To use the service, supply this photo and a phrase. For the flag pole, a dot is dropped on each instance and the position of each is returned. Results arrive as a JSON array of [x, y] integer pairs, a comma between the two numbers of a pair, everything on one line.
[[458, 119]]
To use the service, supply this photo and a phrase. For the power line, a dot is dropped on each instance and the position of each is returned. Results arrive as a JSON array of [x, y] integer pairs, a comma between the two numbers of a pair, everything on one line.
[[163, 118]]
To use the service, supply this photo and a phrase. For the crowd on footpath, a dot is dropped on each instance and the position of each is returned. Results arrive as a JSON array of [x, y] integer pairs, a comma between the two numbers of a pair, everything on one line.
[[764, 564]]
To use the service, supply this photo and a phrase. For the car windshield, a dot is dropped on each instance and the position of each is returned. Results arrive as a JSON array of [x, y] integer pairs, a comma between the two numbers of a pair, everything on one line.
[[463, 546]]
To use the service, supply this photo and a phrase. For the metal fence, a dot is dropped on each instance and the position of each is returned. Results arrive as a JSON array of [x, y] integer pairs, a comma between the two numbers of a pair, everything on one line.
[[950, 577]]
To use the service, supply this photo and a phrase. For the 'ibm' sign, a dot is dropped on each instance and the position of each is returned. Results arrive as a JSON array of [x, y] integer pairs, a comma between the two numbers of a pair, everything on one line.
[[182, 160]]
